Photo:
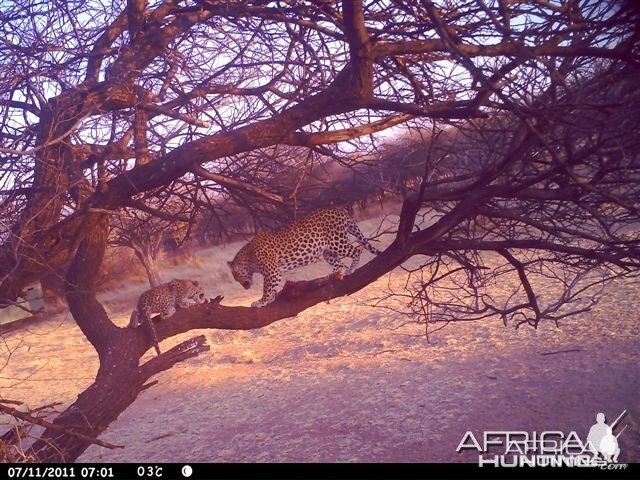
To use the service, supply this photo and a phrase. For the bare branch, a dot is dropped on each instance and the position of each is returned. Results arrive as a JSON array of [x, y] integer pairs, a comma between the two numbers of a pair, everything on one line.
[[232, 183], [43, 423]]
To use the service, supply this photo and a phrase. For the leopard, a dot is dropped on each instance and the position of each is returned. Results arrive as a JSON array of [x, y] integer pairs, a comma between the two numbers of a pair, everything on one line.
[[165, 299], [323, 233]]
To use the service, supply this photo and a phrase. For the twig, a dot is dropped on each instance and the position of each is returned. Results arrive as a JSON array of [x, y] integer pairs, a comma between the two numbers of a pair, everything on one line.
[[45, 407], [159, 437], [562, 351], [383, 351]]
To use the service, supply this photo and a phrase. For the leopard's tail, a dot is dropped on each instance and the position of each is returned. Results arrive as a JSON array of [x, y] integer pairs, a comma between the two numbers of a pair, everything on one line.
[[352, 228], [152, 332]]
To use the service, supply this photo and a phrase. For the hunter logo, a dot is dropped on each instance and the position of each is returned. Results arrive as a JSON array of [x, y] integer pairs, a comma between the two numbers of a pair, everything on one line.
[[602, 440], [549, 448]]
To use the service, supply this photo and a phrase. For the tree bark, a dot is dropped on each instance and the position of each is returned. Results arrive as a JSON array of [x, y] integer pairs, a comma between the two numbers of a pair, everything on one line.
[[119, 380]]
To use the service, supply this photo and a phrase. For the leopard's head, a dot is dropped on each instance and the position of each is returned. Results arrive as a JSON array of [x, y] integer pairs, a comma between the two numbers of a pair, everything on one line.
[[241, 269], [194, 291]]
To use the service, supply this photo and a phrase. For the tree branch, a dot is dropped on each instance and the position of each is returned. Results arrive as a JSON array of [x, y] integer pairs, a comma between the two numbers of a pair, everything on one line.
[[236, 184], [336, 136], [157, 213], [622, 259], [173, 114], [522, 275], [386, 49], [183, 351], [56, 428]]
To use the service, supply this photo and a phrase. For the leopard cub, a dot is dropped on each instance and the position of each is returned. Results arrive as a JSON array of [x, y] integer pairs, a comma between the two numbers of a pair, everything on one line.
[[165, 299]]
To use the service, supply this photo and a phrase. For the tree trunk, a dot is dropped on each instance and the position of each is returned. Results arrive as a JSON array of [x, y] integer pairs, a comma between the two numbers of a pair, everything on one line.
[[151, 267], [149, 262], [119, 380]]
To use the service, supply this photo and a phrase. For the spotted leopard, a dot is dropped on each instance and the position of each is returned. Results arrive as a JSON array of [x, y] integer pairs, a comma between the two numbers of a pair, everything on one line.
[[322, 233], [165, 299]]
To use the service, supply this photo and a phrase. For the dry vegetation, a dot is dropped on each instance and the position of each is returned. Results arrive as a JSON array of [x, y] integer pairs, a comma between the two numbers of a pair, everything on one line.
[[346, 381]]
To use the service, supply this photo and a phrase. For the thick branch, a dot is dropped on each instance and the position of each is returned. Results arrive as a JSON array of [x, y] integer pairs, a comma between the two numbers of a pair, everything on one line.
[[213, 315], [18, 105], [183, 351], [135, 16], [80, 284], [361, 67], [102, 44], [452, 110]]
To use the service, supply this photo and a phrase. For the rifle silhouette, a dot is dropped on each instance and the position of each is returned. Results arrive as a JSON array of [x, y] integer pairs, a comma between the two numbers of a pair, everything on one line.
[[613, 425], [623, 429]]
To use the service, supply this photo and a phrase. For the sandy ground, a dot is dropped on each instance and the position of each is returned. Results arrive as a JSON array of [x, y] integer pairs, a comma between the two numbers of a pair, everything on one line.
[[341, 382]]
